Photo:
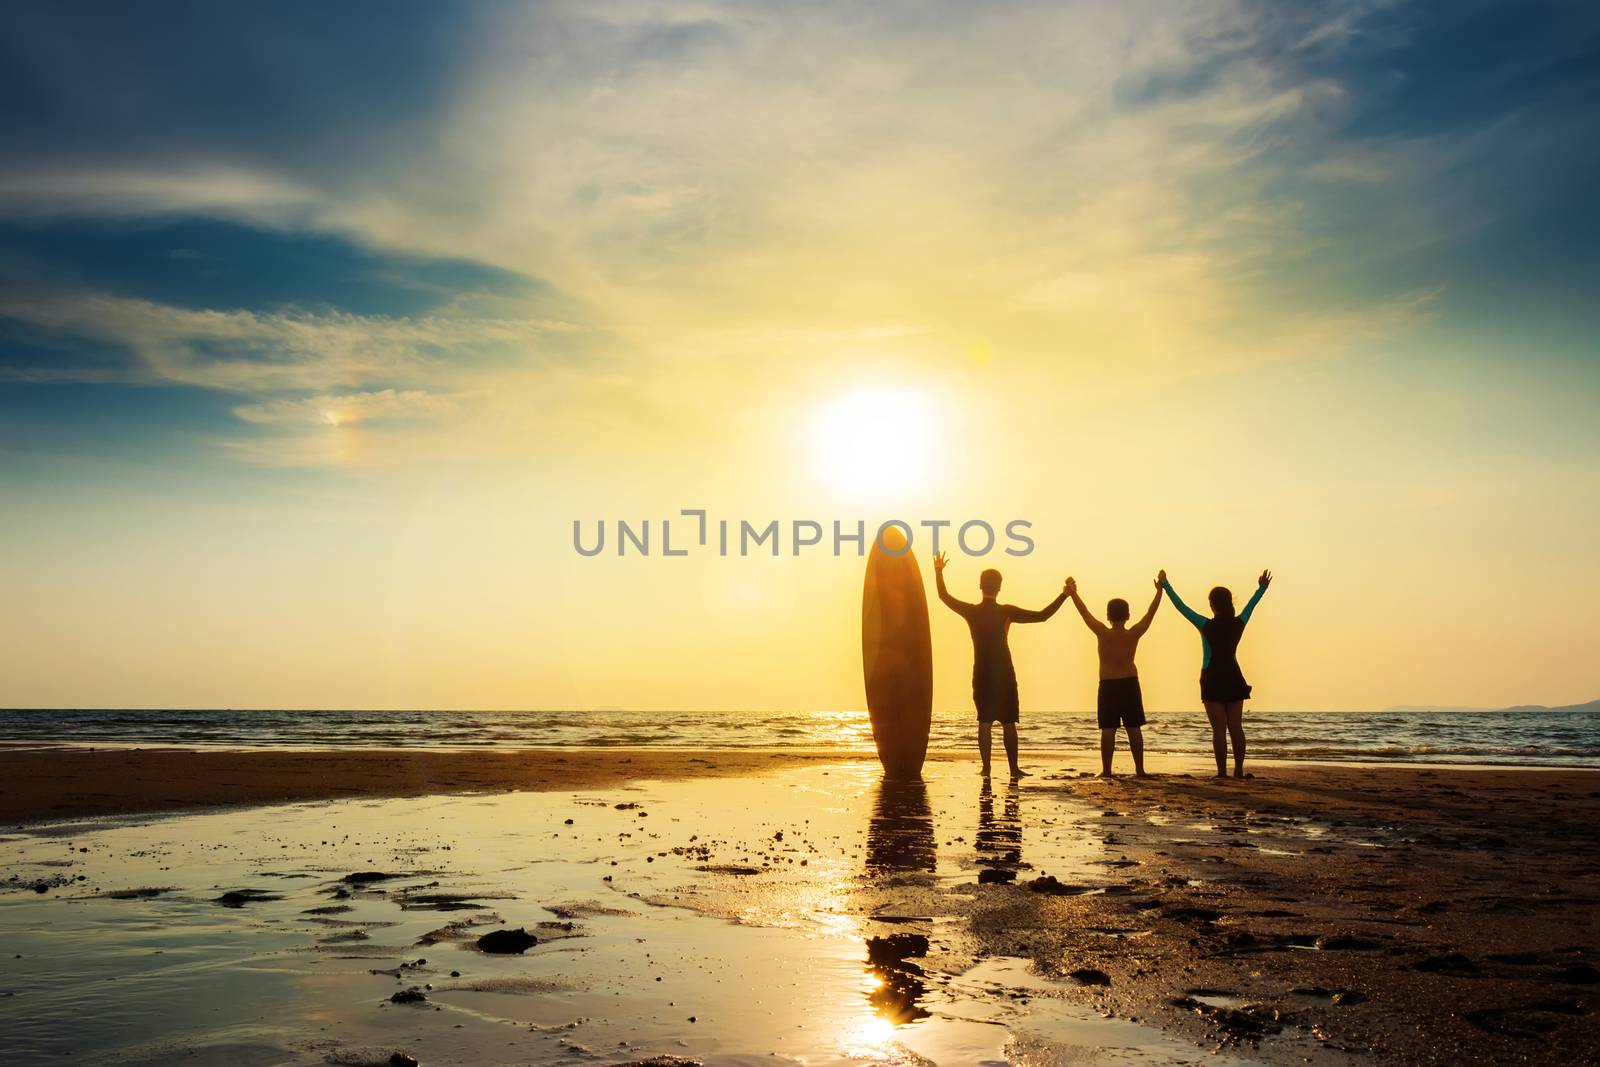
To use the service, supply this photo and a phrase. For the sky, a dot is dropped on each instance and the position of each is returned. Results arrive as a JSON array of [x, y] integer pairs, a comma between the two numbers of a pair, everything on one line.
[[321, 325]]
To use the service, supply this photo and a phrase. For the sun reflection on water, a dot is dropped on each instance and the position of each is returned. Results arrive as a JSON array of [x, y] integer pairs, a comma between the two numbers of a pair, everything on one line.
[[872, 1036], [842, 729]]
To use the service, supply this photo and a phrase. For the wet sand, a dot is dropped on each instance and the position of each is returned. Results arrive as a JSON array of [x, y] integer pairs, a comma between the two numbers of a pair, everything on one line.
[[1424, 915], [1322, 913], [67, 782]]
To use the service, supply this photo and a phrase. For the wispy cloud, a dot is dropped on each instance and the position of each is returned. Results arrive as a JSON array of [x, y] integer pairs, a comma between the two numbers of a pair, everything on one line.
[[311, 374], [172, 188], [284, 351], [730, 189], [349, 409]]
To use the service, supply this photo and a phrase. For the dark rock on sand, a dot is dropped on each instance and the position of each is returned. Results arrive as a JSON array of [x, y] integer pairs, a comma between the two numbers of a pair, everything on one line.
[[996, 876], [238, 898], [1576, 974], [409, 996], [1251, 1022], [400, 1059], [1523, 1023], [460, 930], [363, 877], [1051, 885], [444, 901], [662, 1061], [1089, 976], [1451, 963], [1343, 943], [507, 942]]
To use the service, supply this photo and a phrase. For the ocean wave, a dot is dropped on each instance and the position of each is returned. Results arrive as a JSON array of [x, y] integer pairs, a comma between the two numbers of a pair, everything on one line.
[[1553, 738]]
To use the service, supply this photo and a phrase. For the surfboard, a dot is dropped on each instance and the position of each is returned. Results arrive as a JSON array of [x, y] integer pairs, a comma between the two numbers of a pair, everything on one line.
[[897, 656]]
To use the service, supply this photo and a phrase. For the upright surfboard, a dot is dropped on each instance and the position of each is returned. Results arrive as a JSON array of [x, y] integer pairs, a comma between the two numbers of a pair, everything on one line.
[[897, 656]]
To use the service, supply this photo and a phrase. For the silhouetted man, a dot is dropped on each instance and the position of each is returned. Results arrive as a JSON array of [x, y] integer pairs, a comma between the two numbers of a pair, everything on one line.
[[994, 679]]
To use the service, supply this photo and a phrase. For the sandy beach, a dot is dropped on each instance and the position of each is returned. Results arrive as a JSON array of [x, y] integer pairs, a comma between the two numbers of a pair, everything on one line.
[[1329, 913], [62, 782]]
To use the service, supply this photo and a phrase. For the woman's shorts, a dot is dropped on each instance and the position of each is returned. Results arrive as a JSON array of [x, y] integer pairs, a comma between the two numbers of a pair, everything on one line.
[[1121, 703], [1223, 687]]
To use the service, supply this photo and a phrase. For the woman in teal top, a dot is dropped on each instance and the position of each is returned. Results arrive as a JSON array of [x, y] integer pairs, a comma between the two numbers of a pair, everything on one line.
[[1223, 689]]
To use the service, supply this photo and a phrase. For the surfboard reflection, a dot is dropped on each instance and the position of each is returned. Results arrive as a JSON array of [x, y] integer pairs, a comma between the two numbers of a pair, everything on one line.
[[900, 833], [901, 985], [900, 841]]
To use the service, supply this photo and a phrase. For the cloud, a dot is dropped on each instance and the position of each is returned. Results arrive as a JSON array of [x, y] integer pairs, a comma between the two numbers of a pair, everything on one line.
[[328, 388], [290, 350], [359, 428], [350, 409], [738, 195], [185, 190]]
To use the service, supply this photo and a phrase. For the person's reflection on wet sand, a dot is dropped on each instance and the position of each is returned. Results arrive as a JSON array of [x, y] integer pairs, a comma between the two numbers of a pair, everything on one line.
[[998, 842], [900, 843]]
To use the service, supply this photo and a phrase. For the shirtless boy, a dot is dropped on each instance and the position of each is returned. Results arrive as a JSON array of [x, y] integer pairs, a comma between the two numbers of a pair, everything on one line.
[[1120, 702]]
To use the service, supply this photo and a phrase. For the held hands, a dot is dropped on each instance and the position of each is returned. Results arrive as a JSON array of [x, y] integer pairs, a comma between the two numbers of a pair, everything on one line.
[[1070, 587], [1265, 579], [1161, 579], [938, 563]]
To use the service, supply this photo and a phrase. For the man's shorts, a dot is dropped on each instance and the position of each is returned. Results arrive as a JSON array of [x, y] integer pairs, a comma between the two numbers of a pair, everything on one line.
[[996, 697], [1121, 703]]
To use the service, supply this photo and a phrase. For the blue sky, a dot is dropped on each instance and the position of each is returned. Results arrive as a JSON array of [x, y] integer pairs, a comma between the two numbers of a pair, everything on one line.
[[255, 256], [1355, 159]]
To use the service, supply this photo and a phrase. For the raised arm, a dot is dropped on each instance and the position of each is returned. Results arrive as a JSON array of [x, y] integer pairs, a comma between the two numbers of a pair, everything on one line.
[[1185, 610], [1149, 616], [1016, 614], [960, 607], [1077, 601], [1261, 589]]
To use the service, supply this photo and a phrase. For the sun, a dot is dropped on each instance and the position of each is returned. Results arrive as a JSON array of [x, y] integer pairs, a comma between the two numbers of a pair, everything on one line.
[[873, 442]]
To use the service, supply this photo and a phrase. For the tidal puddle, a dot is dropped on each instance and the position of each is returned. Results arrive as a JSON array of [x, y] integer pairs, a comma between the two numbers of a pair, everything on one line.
[[807, 917]]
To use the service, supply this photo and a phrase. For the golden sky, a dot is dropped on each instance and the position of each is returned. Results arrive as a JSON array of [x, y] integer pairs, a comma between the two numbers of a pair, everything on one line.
[[300, 396]]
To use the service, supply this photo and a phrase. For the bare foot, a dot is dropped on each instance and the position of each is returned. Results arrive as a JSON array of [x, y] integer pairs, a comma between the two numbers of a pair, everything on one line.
[[1105, 774], [985, 771], [1018, 772], [1239, 773], [1221, 774], [1142, 774]]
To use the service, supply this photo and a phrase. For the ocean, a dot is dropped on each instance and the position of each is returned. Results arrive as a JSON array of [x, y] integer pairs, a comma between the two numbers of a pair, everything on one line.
[[1529, 737]]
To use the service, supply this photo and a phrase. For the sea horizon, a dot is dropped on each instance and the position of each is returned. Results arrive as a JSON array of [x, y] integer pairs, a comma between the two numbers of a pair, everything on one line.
[[1563, 737]]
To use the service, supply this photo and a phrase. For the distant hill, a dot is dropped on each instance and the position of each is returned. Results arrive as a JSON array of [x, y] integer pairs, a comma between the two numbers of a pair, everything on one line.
[[1593, 705], [1432, 707]]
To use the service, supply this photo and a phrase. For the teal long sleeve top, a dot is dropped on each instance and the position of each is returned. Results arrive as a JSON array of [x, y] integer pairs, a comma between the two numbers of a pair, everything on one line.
[[1200, 620]]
